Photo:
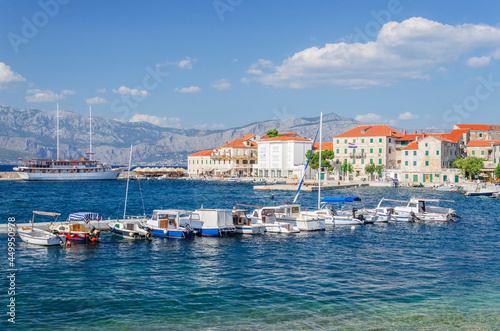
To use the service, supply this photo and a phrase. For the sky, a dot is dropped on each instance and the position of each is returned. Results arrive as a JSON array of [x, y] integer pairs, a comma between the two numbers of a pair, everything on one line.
[[219, 64]]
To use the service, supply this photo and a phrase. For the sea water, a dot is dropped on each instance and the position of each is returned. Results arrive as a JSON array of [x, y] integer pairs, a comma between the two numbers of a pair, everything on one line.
[[387, 276]]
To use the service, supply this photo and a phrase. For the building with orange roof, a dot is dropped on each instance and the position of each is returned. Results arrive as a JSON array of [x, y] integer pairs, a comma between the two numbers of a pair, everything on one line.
[[428, 159], [283, 157], [366, 144], [489, 150], [481, 131], [324, 146], [235, 158]]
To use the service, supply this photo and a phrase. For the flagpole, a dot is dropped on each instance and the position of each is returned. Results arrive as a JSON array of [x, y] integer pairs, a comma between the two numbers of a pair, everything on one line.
[[320, 172]]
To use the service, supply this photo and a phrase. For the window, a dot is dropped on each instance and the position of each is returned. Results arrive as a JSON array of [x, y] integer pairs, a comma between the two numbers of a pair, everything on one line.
[[406, 176], [414, 153], [415, 178], [379, 140], [354, 141], [406, 153], [406, 163], [362, 161], [353, 161], [345, 150], [379, 161], [480, 135], [345, 141], [371, 161], [426, 145], [414, 163], [390, 140], [337, 161], [426, 152], [371, 140], [389, 149], [437, 152], [338, 141], [482, 152], [362, 151], [380, 150], [473, 152], [426, 163], [337, 151], [197, 161], [371, 150], [362, 141]]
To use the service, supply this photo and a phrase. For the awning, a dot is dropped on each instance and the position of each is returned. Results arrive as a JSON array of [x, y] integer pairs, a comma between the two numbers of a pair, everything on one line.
[[341, 199], [83, 216]]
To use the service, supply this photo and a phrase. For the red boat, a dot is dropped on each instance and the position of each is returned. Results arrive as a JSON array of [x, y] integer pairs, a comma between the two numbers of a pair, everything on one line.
[[77, 227]]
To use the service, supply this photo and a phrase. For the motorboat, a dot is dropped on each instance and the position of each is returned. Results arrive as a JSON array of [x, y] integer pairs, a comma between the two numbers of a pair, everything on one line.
[[293, 215], [418, 209], [77, 227], [244, 225], [480, 190], [447, 188], [352, 216], [35, 236], [211, 222], [265, 216], [167, 223], [130, 228]]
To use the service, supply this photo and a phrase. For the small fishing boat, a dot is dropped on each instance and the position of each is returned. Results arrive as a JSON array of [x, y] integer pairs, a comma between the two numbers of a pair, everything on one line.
[[167, 224], [418, 209], [211, 222], [447, 188], [244, 225], [353, 216], [266, 217], [496, 195], [293, 215], [130, 228], [480, 190], [77, 227], [32, 235]]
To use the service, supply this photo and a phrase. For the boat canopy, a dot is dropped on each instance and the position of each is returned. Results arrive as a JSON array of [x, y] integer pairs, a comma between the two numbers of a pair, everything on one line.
[[341, 199], [83, 216], [46, 213]]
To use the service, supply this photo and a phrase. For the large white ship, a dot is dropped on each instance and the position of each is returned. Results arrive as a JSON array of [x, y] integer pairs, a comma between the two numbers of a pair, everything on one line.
[[82, 169]]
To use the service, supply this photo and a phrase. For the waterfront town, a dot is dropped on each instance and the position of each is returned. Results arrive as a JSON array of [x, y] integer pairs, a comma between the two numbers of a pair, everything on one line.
[[404, 157]]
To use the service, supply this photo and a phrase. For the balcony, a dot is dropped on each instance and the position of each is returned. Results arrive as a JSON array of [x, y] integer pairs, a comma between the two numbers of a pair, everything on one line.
[[357, 156]]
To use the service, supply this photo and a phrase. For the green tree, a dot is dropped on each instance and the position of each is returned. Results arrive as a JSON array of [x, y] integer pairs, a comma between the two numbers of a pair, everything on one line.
[[326, 156], [457, 163], [370, 169], [346, 169], [272, 133], [472, 165], [497, 171], [379, 170]]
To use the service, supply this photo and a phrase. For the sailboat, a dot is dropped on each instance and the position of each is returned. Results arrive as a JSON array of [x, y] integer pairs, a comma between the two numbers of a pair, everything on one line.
[[131, 227], [32, 235], [81, 169]]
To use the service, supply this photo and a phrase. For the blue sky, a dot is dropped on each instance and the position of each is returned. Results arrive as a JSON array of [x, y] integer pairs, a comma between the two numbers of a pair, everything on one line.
[[226, 63]]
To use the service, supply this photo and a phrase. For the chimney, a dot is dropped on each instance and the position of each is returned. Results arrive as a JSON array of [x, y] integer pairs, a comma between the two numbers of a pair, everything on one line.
[[415, 132], [404, 132], [227, 142]]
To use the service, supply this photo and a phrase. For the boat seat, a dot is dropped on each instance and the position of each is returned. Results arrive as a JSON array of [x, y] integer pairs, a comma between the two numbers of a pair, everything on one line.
[[25, 229]]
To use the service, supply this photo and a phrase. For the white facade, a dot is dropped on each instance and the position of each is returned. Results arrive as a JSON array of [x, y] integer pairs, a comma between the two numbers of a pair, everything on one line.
[[283, 157]]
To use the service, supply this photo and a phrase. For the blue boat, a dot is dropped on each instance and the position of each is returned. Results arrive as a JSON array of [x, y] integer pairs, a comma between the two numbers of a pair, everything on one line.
[[167, 224], [212, 222]]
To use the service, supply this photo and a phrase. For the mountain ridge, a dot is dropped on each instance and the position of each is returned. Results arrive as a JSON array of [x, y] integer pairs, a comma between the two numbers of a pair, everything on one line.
[[32, 132]]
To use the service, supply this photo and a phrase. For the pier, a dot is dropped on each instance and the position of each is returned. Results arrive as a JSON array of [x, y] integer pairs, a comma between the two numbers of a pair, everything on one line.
[[99, 225], [306, 188]]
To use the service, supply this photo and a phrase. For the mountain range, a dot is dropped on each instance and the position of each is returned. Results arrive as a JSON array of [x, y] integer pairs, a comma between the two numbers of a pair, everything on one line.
[[31, 133]]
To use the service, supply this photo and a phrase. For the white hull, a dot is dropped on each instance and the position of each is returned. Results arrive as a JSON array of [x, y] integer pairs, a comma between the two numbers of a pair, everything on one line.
[[250, 229], [40, 237], [281, 227], [310, 224], [105, 175]]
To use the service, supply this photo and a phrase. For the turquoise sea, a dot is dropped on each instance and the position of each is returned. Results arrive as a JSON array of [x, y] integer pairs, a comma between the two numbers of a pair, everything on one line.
[[392, 276]]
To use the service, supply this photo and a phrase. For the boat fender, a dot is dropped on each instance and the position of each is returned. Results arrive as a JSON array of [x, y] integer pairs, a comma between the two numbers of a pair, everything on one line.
[[165, 231], [93, 239], [131, 234]]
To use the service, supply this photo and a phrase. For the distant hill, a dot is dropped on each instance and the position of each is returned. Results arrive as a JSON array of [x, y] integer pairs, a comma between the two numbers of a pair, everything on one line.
[[32, 133]]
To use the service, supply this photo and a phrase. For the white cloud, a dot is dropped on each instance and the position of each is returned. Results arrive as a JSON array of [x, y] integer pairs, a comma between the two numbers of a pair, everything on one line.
[[221, 84], [172, 122], [369, 118], [201, 126], [407, 116], [186, 63], [372, 118], [101, 90], [128, 91], [191, 89], [96, 100], [37, 95], [478, 61], [8, 76], [408, 50]]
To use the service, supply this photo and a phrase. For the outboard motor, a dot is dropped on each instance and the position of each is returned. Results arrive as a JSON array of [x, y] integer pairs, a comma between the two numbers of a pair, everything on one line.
[[413, 216], [354, 210]]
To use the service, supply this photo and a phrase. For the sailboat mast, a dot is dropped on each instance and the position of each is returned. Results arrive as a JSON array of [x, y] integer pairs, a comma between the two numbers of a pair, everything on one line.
[[320, 141], [90, 134], [128, 179], [57, 132]]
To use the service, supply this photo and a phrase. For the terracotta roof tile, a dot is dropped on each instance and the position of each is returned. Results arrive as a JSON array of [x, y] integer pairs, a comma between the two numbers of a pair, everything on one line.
[[474, 127], [413, 145], [482, 143], [379, 130], [239, 142], [286, 139], [324, 146], [202, 153]]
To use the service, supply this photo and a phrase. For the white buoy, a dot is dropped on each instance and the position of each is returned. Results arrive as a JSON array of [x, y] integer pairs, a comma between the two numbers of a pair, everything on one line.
[[353, 227]]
